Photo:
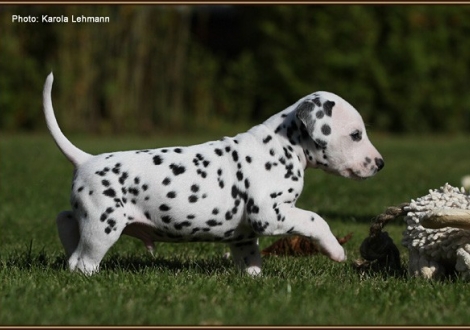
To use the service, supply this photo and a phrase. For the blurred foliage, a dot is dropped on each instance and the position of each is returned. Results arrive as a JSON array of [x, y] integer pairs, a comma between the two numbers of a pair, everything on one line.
[[406, 68]]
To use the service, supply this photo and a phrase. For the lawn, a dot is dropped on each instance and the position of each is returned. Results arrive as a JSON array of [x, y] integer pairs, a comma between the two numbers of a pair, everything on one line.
[[192, 284]]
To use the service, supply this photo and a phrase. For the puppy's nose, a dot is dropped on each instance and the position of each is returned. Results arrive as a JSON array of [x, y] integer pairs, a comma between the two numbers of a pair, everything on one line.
[[380, 163]]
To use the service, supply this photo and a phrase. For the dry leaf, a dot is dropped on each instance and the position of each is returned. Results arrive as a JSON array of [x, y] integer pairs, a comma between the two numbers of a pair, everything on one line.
[[297, 246]]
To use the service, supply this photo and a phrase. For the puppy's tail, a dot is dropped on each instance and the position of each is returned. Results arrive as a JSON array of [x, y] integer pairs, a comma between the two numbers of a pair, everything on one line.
[[75, 155]]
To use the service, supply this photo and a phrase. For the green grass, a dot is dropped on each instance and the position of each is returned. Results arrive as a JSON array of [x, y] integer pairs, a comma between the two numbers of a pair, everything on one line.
[[192, 284]]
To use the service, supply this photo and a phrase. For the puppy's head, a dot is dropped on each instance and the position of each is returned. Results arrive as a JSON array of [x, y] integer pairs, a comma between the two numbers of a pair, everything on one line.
[[338, 141]]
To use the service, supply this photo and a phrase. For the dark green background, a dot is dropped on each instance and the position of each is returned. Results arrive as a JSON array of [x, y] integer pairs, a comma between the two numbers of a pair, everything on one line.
[[406, 68]]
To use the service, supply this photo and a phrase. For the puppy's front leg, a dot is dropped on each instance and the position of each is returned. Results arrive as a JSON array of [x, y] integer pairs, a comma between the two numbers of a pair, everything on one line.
[[291, 220], [246, 256]]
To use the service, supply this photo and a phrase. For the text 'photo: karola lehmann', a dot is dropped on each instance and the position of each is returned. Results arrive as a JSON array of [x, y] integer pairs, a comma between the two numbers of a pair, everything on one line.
[[59, 19]]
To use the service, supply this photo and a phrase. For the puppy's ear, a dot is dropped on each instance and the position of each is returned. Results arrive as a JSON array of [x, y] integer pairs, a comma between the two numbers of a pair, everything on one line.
[[305, 113]]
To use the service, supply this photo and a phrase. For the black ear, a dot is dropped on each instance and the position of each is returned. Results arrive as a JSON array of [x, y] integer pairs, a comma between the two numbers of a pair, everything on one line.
[[304, 112]]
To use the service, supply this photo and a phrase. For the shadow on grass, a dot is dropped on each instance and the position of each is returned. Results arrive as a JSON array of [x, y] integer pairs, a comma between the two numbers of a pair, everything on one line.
[[175, 264], [28, 260]]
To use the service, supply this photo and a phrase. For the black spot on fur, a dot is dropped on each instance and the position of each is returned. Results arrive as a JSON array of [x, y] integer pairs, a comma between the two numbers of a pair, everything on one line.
[[133, 191], [193, 199], [123, 177], [213, 223], [171, 194], [235, 156], [287, 153], [259, 227], [202, 173], [166, 181], [326, 129], [218, 152], [109, 192], [164, 207], [234, 191], [177, 169], [267, 139], [157, 160], [251, 207], [328, 107]]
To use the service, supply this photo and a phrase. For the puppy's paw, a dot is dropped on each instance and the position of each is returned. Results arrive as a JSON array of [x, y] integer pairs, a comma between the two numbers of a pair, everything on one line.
[[336, 254]]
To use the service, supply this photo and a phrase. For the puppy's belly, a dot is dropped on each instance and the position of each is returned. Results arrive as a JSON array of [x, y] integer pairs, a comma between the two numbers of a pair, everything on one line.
[[212, 230]]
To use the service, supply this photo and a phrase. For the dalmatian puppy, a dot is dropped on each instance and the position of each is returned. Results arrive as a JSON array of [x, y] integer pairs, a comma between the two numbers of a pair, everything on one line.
[[233, 190]]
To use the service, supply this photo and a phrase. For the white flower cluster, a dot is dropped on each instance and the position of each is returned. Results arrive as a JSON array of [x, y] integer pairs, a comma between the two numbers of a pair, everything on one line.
[[436, 252]]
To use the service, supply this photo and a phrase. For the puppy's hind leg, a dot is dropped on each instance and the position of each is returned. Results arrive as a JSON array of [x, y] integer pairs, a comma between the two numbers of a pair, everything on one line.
[[96, 238], [69, 232]]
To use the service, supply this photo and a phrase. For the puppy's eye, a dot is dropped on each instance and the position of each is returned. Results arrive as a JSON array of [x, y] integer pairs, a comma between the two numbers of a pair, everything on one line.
[[356, 135]]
